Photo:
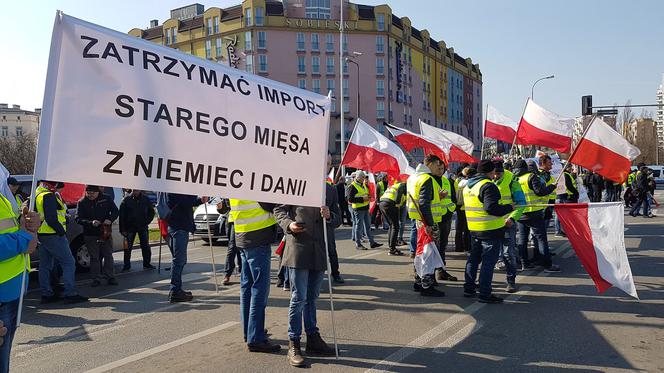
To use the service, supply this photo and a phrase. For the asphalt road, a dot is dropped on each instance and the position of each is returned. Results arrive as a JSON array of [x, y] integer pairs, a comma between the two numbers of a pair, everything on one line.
[[557, 322]]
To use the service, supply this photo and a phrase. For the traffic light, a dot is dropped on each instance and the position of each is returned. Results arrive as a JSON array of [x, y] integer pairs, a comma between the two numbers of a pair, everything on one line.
[[587, 105]]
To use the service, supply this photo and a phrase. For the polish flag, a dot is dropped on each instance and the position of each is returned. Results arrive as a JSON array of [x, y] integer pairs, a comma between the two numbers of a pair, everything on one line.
[[539, 126], [461, 148], [330, 176], [410, 140], [596, 232], [498, 126], [427, 257], [604, 151], [369, 150]]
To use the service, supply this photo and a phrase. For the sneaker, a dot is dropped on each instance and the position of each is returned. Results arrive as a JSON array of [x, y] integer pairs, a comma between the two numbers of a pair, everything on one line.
[[417, 287], [148, 266], [286, 286], [360, 247], [500, 266], [227, 280], [525, 266], [295, 354], [375, 245], [491, 299], [112, 281], [412, 255], [280, 283], [180, 296], [265, 346], [337, 279], [445, 276], [401, 243], [469, 294], [316, 345], [432, 292], [395, 252], [511, 287], [49, 299], [552, 269], [95, 283], [72, 299]]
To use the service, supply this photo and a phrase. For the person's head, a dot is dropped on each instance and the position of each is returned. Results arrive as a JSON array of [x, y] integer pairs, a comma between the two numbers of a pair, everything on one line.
[[499, 168], [545, 162], [13, 184], [435, 164], [360, 176], [59, 186], [487, 168], [50, 185], [469, 172], [92, 192], [136, 192]]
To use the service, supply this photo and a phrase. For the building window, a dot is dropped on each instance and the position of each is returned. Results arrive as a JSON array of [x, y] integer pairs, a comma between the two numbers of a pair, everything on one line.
[[247, 41], [216, 25], [380, 88], [168, 36], [345, 46], [218, 47], [380, 66], [208, 49], [314, 42], [259, 16], [315, 65], [247, 17], [302, 83], [346, 106], [315, 83], [330, 86], [345, 88], [380, 44], [345, 66], [380, 19], [329, 43], [330, 65], [19, 131], [249, 63], [301, 67], [317, 9], [380, 110], [262, 40], [209, 28], [4, 132], [175, 35], [300, 41], [262, 63]]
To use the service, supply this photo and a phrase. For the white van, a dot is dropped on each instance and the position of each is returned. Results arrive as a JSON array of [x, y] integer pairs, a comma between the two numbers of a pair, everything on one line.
[[215, 220], [658, 174]]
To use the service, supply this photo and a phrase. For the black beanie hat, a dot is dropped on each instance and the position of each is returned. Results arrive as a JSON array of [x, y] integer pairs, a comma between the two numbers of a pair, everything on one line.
[[498, 164], [485, 166]]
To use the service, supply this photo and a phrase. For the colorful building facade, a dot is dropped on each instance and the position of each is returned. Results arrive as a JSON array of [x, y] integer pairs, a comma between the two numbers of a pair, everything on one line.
[[403, 75]]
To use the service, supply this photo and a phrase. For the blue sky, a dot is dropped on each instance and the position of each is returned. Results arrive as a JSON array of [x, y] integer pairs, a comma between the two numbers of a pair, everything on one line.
[[608, 48]]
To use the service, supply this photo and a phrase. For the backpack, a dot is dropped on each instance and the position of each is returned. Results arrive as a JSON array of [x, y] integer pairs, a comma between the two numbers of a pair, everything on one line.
[[163, 210]]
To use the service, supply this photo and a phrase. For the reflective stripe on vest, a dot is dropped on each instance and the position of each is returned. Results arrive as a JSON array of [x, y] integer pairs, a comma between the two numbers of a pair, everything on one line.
[[531, 197], [61, 212], [362, 190], [446, 203], [552, 195], [15, 265], [569, 193], [391, 194], [249, 216], [478, 219], [504, 187], [414, 185]]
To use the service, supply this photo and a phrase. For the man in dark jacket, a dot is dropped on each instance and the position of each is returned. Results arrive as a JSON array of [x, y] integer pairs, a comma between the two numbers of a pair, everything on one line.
[[136, 213], [533, 217], [346, 218], [390, 207], [306, 260], [640, 190], [597, 182], [487, 220], [358, 196], [96, 213]]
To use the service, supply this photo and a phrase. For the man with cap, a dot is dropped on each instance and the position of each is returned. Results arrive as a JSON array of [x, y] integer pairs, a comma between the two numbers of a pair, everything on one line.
[[510, 194], [571, 194], [54, 245], [446, 209], [358, 196], [96, 212], [486, 221], [534, 188], [390, 206], [14, 186]]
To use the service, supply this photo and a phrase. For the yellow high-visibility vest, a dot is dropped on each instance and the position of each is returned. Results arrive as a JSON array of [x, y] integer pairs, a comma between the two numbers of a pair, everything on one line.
[[362, 190], [391, 194], [414, 185], [446, 203], [531, 197], [478, 219], [14, 266], [41, 192], [249, 216], [504, 186], [569, 193]]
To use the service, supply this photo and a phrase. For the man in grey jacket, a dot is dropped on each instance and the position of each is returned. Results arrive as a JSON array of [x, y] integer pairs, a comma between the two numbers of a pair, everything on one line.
[[306, 259]]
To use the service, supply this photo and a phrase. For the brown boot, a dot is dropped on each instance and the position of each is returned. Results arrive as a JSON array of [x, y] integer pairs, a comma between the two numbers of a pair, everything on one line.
[[227, 280], [295, 354], [316, 345]]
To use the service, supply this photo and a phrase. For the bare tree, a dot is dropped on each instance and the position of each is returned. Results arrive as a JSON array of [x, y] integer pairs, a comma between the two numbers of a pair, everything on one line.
[[626, 116], [646, 114], [17, 153]]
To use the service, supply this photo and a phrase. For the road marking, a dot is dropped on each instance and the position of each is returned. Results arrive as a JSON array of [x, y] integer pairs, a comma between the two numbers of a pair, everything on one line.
[[459, 336], [366, 255], [162, 348], [547, 364], [569, 254]]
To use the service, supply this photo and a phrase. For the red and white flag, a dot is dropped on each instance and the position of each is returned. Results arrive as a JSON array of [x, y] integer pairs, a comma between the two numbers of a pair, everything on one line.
[[330, 176], [597, 234], [605, 151], [410, 140], [427, 257], [369, 150], [539, 126], [498, 126], [461, 149]]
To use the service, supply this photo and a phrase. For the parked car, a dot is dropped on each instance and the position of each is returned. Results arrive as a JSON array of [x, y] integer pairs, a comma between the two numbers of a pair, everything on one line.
[[216, 221], [658, 174], [71, 194]]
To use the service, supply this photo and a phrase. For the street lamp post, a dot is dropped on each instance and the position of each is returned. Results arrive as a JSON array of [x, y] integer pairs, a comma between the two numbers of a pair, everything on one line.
[[350, 60], [532, 89]]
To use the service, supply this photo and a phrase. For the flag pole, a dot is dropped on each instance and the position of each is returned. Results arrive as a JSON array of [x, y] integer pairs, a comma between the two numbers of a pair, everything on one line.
[[209, 232], [592, 120], [329, 286], [340, 90], [346, 150], [484, 133], [518, 127]]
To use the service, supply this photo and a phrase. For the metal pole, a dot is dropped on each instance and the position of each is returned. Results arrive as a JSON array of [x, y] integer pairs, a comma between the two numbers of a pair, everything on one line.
[[214, 266], [532, 89], [161, 238], [329, 286], [483, 137], [341, 82], [517, 130], [571, 156]]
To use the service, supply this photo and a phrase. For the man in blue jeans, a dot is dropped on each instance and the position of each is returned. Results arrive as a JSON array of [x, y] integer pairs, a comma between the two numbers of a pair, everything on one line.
[[306, 258], [16, 240], [358, 196], [180, 224], [255, 231]]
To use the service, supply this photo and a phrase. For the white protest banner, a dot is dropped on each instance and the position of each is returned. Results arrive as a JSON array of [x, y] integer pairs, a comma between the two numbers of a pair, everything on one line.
[[121, 111]]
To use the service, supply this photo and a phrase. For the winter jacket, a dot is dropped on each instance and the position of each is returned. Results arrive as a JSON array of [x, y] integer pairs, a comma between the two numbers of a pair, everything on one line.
[[490, 197], [136, 213], [102, 208]]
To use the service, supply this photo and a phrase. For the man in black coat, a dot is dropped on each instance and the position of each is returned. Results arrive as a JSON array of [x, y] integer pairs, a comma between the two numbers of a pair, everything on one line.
[[136, 213]]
